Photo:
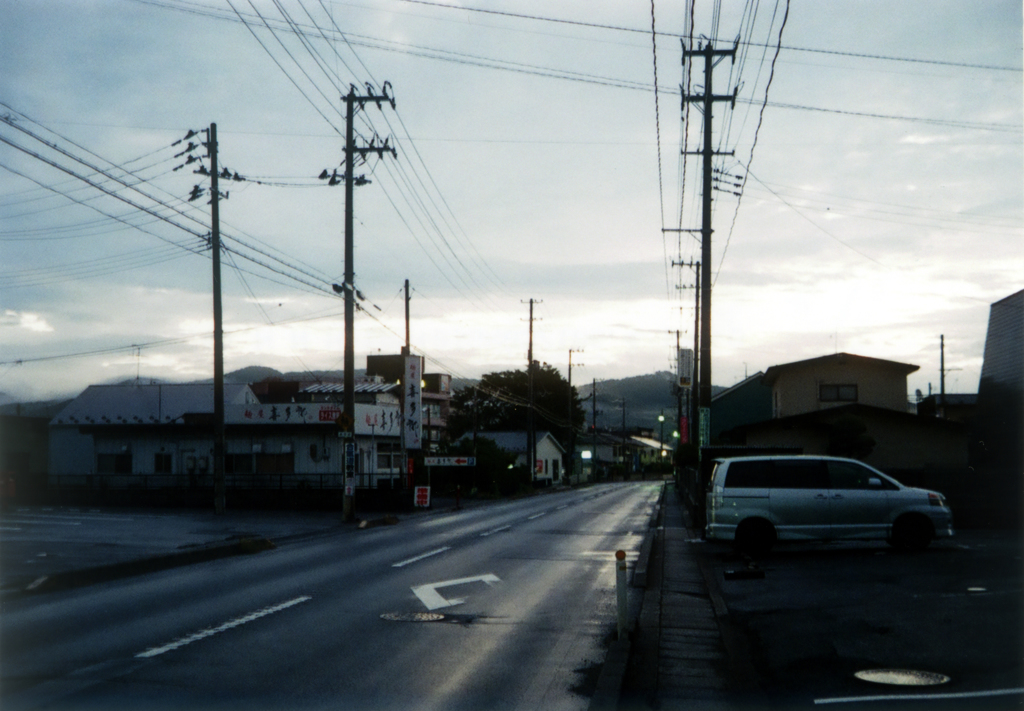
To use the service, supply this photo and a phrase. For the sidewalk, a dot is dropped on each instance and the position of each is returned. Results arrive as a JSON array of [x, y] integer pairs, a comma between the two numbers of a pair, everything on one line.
[[684, 653]]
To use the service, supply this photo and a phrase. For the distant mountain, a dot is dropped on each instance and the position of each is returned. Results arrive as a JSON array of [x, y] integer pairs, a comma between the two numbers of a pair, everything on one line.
[[645, 397], [259, 373]]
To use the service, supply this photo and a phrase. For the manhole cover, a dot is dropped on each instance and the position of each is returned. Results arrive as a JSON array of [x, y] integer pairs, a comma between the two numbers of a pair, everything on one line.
[[412, 616], [902, 677]]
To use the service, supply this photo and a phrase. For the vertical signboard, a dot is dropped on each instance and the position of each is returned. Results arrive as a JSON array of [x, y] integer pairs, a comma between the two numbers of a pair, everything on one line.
[[422, 497], [349, 463], [413, 425], [685, 368]]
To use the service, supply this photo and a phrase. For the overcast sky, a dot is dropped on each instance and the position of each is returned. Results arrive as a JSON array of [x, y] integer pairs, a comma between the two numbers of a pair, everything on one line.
[[881, 184]]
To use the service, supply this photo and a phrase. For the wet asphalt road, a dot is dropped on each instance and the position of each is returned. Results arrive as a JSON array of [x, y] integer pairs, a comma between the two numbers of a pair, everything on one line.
[[521, 595]]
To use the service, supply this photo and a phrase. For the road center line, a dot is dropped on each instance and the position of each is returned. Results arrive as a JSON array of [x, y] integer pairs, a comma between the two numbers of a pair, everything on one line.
[[538, 515], [210, 631], [404, 563]]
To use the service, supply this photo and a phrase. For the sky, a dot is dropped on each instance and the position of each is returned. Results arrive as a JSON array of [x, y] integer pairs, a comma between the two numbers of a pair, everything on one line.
[[871, 195]]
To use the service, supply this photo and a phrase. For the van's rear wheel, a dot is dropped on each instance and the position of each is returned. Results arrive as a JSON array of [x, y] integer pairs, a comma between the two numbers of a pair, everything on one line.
[[912, 533], [755, 537]]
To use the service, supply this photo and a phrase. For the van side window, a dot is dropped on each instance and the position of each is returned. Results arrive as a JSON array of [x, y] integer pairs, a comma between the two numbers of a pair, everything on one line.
[[748, 475], [847, 475], [799, 474]]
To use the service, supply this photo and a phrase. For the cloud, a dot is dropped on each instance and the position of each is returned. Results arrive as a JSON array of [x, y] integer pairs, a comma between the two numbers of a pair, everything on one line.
[[27, 321]]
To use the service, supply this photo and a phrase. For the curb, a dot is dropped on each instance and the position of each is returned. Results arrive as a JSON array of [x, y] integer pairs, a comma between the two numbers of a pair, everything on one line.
[[613, 671], [116, 571]]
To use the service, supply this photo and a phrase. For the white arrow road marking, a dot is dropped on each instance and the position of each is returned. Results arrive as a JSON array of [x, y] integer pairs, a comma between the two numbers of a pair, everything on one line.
[[402, 564], [210, 631], [433, 600]]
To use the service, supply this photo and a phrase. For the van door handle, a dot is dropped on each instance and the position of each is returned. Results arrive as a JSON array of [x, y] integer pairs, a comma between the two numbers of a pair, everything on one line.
[[837, 496], [821, 496]]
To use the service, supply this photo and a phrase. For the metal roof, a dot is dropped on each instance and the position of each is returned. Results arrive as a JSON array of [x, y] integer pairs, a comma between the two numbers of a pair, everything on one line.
[[147, 404], [338, 388]]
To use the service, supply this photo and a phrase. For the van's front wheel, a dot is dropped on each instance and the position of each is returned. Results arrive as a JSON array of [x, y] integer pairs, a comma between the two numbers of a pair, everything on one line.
[[755, 537]]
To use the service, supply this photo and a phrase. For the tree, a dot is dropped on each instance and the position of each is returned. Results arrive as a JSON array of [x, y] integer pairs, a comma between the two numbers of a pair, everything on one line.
[[501, 403]]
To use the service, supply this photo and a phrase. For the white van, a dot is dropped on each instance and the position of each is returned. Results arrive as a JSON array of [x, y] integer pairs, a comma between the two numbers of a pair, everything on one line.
[[755, 501]]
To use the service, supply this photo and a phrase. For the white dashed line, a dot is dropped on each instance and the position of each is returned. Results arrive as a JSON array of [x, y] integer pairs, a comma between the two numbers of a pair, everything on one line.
[[404, 563], [495, 530], [210, 631], [920, 697]]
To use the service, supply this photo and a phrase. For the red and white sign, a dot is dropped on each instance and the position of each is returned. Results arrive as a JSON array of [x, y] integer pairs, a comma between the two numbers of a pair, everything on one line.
[[422, 496], [449, 461], [329, 414]]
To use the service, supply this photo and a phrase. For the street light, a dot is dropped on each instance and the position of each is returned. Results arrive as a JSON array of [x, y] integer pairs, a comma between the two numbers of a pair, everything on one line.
[[661, 440]]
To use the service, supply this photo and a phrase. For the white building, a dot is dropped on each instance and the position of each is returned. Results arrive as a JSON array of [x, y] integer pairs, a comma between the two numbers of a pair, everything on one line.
[[161, 437]]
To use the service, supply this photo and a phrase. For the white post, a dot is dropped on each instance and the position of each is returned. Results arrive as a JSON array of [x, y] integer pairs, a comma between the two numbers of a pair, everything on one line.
[[620, 590]]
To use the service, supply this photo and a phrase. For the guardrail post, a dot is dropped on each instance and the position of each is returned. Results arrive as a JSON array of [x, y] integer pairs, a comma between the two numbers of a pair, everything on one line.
[[620, 590]]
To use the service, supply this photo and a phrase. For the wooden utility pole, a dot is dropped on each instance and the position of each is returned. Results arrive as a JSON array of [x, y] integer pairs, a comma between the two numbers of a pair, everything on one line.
[[707, 99]]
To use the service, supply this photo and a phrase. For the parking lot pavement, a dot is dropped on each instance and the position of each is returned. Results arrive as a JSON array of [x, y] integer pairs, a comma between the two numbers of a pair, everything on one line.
[[823, 612]]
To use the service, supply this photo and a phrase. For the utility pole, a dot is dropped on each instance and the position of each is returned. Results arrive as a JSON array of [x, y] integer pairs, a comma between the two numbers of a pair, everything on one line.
[[693, 408], [942, 376], [625, 462], [219, 486], [707, 99], [352, 101], [942, 373], [593, 456], [407, 350], [572, 428], [531, 437]]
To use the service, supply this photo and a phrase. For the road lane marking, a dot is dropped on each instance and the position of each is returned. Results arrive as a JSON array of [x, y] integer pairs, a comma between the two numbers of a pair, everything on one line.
[[485, 534], [433, 600], [538, 515], [210, 631], [43, 522], [920, 697], [402, 564]]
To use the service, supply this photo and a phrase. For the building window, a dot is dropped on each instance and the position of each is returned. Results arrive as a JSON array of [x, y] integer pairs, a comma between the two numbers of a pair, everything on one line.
[[113, 463], [162, 463], [238, 464], [837, 393], [283, 463]]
